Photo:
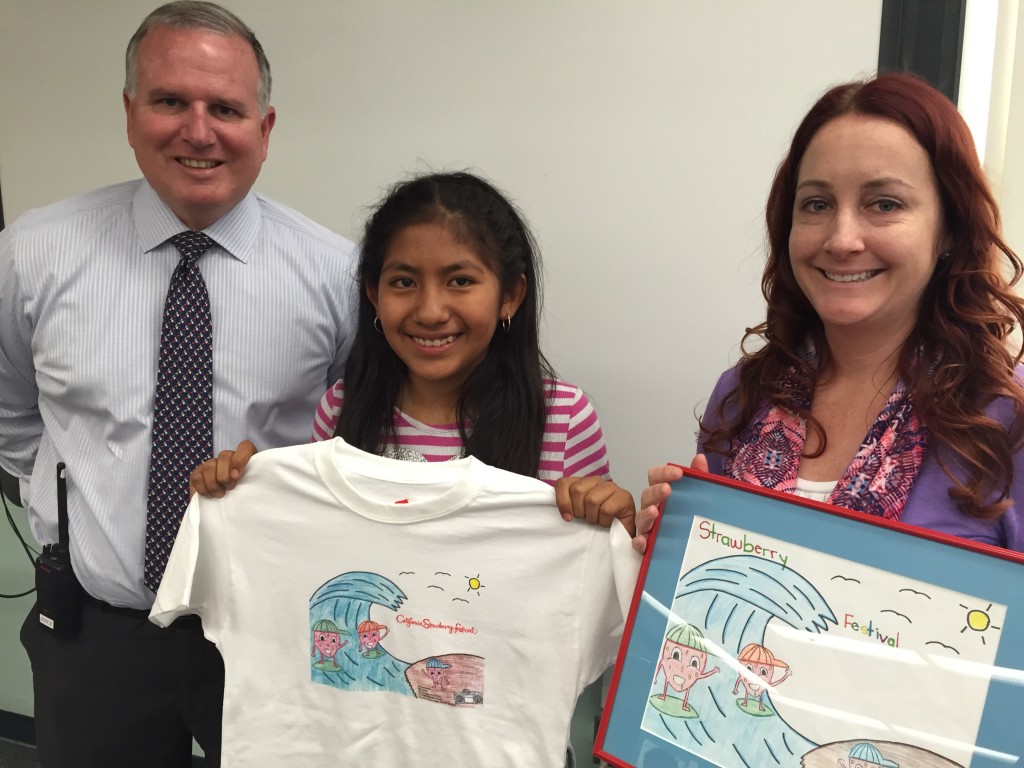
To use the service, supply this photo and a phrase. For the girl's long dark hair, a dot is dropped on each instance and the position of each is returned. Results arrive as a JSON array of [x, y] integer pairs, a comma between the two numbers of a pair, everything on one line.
[[504, 398]]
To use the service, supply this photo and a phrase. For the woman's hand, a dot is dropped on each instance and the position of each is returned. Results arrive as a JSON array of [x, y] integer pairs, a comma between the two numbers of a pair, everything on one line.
[[215, 477], [596, 500], [657, 490]]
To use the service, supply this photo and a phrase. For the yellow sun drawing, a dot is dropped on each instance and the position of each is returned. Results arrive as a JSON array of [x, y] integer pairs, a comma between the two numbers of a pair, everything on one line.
[[978, 620], [474, 584]]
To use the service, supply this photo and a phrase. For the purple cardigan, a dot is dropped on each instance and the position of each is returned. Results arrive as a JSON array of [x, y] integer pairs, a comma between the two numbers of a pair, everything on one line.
[[929, 504]]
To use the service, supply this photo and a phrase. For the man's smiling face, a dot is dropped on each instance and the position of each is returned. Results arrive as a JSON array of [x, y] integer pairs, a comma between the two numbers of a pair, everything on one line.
[[194, 121]]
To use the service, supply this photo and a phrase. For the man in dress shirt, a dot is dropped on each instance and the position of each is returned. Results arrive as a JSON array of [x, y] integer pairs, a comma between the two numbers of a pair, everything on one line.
[[82, 290]]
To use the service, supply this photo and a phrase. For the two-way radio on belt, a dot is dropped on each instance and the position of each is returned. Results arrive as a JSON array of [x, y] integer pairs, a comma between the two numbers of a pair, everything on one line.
[[58, 593]]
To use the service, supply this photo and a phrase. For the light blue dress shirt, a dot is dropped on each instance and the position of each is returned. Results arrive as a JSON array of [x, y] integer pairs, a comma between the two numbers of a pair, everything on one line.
[[82, 288]]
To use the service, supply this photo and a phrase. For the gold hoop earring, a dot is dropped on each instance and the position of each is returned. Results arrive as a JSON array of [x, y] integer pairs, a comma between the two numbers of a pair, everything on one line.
[[376, 324], [506, 324]]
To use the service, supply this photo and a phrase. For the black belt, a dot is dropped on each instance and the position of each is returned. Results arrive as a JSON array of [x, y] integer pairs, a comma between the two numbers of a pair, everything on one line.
[[184, 622]]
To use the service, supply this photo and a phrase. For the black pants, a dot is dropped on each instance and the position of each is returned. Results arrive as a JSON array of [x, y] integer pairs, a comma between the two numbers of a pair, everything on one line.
[[124, 692]]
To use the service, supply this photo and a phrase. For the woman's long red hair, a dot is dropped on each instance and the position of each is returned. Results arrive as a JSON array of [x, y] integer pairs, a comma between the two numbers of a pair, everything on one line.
[[967, 312]]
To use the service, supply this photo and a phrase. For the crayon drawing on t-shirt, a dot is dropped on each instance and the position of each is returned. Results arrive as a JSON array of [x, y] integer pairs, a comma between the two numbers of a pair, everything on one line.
[[419, 641]]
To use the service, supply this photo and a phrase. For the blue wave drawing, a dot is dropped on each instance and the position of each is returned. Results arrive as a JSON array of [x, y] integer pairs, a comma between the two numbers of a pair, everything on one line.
[[731, 600], [346, 600]]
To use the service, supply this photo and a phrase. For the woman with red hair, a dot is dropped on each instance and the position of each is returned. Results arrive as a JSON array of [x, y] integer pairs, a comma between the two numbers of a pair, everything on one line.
[[883, 378]]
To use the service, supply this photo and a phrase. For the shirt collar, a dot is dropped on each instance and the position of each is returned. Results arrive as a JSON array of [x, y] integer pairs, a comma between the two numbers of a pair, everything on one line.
[[235, 231]]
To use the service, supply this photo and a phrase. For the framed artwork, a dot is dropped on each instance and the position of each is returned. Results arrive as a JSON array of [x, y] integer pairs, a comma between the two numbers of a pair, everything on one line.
[[767, 630]]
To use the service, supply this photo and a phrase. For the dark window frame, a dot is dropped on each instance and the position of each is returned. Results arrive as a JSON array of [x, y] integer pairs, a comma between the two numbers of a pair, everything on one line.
[[925, 37]]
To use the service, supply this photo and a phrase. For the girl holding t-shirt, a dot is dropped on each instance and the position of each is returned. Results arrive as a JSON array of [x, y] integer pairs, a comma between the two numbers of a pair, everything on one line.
[[446, 360]]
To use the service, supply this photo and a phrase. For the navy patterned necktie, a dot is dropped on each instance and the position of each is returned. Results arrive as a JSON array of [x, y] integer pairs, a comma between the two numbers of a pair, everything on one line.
[[183, 409]]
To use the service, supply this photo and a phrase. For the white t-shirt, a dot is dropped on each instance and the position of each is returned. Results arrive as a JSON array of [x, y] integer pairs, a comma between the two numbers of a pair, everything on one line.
[[377, 611], [816, 490]]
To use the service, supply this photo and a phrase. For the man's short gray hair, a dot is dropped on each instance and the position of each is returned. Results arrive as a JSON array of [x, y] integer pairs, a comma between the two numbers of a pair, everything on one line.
[[196, 14]]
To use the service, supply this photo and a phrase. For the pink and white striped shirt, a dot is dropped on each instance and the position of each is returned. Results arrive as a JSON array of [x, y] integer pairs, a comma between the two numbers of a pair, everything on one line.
[[573, 445]]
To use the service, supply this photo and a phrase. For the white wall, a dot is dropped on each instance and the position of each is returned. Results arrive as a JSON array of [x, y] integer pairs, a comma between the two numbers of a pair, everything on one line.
[[639, 138], [1010, 176]]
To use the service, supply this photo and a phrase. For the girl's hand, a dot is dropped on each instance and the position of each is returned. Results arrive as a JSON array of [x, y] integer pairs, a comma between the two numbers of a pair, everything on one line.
[[215, 477], [657, 490], [596, 500]]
